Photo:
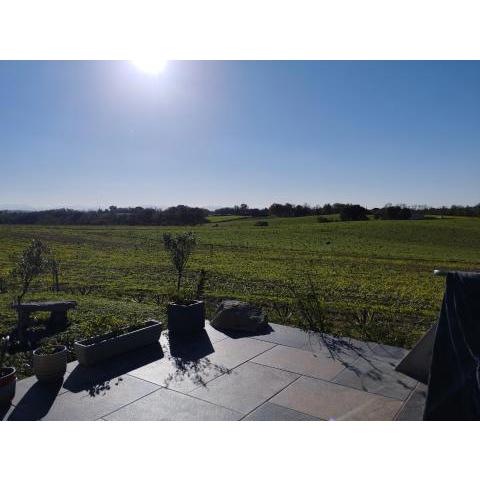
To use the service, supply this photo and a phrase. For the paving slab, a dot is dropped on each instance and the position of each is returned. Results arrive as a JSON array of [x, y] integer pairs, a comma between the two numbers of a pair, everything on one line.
[[185, 364], [214, 334], [318, 365], [338, 348], [412, 409], [284, 335], [180, 374], [372, 350], [5, 412], [376, 376], [269, 412], [246, 387], [232, 352], [192, 363], [84, 405], [330, 401], [31, 386], [164, 404], [343, 347]]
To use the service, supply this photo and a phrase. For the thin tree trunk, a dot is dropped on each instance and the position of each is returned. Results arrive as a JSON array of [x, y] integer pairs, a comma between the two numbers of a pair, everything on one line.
[[179, 282]]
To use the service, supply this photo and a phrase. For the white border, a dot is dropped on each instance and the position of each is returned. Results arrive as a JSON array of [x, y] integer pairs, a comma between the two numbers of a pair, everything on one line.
[[247, 29]]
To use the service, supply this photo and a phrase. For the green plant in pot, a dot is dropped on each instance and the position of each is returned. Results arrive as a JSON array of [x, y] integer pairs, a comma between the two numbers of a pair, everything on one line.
[[31, 264], [185, 311], [8, 375], [50, 362]]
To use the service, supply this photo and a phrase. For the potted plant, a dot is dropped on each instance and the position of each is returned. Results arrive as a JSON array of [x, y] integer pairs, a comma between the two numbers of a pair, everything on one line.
[[8, 377], [115, 338], [50, 363], [185, 314], [32, 263]]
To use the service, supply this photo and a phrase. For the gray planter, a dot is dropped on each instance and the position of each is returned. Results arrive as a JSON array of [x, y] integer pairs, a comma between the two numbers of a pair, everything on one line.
[[186, 319], [8, 382], [50, 367], [96, 349]]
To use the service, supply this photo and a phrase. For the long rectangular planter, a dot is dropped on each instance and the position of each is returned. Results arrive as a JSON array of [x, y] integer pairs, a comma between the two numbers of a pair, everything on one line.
[[96, 349]]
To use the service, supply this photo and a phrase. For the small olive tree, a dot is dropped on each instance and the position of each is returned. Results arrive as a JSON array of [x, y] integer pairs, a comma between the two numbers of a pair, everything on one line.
[[54, 267], [179, 247], [34, 261]]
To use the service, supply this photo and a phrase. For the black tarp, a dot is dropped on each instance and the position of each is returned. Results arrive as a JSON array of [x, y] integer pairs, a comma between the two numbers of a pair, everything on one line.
[[454, 383]]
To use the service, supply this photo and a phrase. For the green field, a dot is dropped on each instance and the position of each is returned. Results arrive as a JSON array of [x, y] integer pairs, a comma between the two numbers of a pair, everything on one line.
[[384, 266]]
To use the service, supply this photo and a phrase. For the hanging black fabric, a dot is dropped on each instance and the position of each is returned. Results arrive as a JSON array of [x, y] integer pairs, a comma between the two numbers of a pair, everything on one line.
[[454, 384]]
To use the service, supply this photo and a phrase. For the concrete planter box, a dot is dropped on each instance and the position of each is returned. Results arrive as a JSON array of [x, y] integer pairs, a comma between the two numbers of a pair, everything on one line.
[[96, 349], [186, 319], [8, 382], [50, 367]]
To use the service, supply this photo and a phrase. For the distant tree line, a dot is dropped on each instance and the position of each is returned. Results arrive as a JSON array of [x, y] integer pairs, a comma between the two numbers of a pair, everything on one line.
[[242, 209], [455, 210], [179, 215], [357, 212], [184, 215]]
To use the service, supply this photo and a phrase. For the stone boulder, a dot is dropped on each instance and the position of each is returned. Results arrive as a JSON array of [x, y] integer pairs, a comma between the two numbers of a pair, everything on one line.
[[238, 316]]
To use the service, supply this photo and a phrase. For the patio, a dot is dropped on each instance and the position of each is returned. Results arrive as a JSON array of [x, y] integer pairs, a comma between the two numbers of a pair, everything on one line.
[[283, 374]]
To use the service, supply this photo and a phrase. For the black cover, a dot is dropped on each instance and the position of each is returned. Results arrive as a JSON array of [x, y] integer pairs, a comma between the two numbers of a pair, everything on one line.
[[454, 385]]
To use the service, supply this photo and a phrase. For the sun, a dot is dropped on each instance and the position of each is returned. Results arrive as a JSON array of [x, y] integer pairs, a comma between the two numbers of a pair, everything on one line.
[[151, 66]]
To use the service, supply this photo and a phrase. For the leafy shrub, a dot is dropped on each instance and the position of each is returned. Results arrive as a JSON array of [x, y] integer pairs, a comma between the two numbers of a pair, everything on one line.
[[33, 262], [310, 307], [4, 344], [353, 213], [201, 281], [323, 220], [261, 223], [3, 285], [396, 213], [179, 247]]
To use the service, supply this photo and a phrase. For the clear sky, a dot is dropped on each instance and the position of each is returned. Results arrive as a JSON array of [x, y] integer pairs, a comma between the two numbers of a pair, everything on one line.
[[89, 134]]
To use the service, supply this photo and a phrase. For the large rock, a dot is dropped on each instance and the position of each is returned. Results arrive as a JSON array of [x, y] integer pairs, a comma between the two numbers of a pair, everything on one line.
[[240, 316]]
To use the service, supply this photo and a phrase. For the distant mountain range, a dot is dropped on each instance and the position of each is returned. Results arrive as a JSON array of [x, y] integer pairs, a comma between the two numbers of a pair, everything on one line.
[[13, 206]]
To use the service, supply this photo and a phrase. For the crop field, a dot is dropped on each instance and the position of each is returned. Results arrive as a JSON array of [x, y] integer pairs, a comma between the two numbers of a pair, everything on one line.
[[384, 267]]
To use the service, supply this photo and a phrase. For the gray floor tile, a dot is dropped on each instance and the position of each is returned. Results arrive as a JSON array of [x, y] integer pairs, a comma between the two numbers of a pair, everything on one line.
[[284, 335], [246, 387], [318, 365], [180, 374], [29, 387], [214, 334], [166, 404], [6, 411], [372, 350], [412, 409], [337, 348], [376, 376], [232, 352], [343, 348], [84, 405], [269, 412], [185, 363], [189, 364], [335, 402], [388, 351]]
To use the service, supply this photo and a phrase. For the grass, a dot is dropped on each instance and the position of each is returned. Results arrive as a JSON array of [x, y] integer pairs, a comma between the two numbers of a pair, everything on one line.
[[224, 218], [384, 267]]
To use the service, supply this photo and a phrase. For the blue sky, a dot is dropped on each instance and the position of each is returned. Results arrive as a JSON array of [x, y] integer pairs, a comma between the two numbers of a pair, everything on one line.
[[94, 134]]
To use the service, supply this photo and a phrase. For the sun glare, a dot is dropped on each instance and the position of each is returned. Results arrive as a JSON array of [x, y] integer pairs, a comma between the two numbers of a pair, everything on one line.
[[151, 66]]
